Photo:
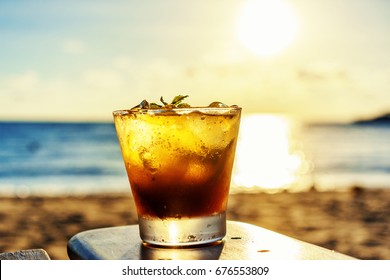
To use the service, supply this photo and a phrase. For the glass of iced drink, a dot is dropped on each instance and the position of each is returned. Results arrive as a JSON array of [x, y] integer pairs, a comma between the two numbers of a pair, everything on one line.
[[179, 163]]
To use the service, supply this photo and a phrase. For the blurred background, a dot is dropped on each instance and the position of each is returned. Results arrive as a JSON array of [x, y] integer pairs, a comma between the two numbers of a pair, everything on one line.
[[303, 72]]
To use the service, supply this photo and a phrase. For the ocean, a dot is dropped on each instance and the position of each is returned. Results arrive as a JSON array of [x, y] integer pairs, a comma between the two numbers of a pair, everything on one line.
[[273, 154]]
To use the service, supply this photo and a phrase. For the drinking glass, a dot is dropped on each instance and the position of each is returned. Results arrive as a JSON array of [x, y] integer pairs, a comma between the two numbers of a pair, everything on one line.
[[179, 163]]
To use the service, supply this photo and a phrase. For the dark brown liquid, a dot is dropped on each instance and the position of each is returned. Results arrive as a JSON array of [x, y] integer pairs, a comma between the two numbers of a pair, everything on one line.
[[172, 195]]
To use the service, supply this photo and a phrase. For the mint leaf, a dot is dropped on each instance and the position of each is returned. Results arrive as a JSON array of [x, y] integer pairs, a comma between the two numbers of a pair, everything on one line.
[[163, 102], [178, 99]]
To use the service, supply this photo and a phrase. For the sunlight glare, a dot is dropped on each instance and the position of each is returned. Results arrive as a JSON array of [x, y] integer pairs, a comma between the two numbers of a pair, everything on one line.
[[173, 232], [265, 156], [266, 27]]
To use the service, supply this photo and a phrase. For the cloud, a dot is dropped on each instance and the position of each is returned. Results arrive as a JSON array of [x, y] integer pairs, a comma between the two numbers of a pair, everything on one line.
[[123, 62], [322, 72], [308, 91], [73, 46], [102, 78], [22, 83]]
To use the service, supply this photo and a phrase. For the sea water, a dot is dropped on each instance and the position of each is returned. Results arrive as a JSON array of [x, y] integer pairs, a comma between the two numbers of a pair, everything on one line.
[[82, 158], [60, 158]]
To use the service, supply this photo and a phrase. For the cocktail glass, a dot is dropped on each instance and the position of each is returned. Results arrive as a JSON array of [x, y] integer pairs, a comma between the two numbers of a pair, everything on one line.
[[179, 163]]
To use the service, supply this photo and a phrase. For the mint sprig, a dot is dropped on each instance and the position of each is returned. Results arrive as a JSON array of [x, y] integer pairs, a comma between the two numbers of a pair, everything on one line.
[[177, 102]]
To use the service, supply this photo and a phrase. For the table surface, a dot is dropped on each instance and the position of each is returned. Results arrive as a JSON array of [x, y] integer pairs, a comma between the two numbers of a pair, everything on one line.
[[242, 242]]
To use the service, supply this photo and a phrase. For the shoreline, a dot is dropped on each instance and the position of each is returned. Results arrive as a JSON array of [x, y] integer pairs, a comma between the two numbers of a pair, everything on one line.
[[354, 222]]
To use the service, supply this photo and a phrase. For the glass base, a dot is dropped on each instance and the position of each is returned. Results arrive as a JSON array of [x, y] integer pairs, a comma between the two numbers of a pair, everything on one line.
[[183, 232]]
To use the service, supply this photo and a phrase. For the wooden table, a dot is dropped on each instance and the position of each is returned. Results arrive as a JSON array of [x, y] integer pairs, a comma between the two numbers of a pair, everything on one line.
[[30, 254], [242, 242]]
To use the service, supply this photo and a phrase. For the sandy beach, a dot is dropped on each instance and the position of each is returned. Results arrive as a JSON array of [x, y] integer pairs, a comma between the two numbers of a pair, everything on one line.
[[355, 222]]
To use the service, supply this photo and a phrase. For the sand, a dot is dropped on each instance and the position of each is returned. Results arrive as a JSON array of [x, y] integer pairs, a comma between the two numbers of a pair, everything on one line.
[[356, 222]]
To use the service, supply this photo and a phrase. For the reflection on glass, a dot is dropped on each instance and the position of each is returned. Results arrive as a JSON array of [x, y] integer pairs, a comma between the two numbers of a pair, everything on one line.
[[210, 251], [270, 156]]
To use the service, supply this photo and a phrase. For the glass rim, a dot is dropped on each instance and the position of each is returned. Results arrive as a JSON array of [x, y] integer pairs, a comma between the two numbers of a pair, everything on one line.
[[179, 111]]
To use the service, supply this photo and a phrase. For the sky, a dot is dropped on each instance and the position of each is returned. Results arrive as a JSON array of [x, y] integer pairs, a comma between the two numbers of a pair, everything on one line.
[[82, 59]]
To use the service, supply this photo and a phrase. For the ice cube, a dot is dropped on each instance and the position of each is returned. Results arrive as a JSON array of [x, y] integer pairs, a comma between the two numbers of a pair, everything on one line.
[[149, 162], [217, 104]]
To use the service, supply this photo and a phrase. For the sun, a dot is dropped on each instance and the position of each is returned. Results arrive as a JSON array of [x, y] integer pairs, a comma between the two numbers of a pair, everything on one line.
[[266, 27]]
